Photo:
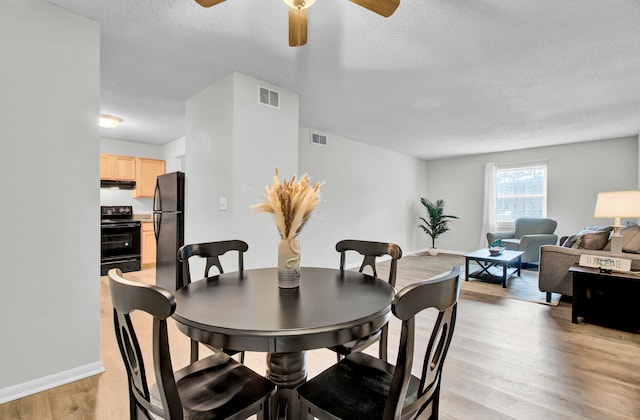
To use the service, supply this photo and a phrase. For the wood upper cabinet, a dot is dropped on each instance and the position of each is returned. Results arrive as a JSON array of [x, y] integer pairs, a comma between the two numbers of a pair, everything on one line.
[[148, 250], [122, 168], [147, 171]]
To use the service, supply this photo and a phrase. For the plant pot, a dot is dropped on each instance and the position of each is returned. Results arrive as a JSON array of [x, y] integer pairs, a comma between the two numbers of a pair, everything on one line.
[[433, 251], [288, 263], [494, 251]]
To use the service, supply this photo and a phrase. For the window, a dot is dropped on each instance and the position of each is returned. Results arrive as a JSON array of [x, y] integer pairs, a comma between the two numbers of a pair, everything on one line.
[[521, 191]]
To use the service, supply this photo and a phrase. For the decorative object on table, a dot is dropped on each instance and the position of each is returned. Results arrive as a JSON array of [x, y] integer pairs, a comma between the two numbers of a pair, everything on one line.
[[291, 204], [616, 205], [496, 247], [607, 263], [436, 222]]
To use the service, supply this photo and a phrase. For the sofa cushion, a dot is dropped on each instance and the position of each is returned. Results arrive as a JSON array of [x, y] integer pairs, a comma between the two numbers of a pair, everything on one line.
[[571, 240], [592, 237]]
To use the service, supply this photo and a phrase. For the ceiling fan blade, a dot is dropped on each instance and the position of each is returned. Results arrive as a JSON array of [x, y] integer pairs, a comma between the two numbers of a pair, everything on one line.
[[297, 27], [382, 7], [208, 3]]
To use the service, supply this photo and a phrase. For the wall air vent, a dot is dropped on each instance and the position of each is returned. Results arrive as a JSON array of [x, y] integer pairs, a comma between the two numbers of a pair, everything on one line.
[[268, 97], [317, 138]]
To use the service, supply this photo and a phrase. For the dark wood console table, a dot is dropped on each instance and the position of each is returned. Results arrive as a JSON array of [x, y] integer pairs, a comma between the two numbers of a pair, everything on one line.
[[609, 300]]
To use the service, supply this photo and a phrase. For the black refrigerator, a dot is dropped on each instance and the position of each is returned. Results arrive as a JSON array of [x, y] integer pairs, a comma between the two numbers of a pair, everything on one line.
[[168, 226]]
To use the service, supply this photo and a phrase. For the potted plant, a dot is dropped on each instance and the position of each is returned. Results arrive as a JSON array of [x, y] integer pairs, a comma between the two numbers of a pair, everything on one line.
[[436, 222]]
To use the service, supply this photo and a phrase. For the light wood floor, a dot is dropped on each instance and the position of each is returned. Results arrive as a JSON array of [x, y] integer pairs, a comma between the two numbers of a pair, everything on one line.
[[509, 360]]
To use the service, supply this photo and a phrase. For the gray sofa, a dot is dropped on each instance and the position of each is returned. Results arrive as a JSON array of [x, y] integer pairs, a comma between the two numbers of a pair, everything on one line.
[[554, 277]]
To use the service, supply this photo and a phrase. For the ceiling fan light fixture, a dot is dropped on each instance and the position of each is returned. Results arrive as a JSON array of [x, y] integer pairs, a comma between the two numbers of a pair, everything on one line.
[[109, 121], [299, 4]]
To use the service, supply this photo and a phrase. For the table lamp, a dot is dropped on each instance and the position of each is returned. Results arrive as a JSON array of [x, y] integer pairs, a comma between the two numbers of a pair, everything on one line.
[[617, 205]]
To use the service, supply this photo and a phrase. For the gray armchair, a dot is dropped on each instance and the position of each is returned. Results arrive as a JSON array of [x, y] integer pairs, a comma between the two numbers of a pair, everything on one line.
[[529, 235]]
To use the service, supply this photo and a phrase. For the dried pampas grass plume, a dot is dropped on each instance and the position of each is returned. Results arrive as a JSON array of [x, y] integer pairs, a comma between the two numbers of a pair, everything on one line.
[[290, 202]]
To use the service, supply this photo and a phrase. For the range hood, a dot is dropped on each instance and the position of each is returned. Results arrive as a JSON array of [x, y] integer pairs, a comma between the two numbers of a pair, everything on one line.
[[117, 185]]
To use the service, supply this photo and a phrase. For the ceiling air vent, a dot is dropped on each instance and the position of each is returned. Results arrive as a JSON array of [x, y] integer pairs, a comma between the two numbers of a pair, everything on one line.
[[317, 138], [268, 97]]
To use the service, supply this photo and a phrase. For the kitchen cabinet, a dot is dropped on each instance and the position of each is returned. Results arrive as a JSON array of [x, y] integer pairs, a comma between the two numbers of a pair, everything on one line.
[[148, 249], [116, 167], [147, 171]]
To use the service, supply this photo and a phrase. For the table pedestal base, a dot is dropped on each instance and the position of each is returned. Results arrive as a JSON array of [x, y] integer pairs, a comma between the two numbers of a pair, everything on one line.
[[287, 371]]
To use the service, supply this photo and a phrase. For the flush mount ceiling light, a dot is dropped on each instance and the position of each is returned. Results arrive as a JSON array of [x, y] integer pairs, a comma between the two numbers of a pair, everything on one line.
[[298, 14], [109, 121]]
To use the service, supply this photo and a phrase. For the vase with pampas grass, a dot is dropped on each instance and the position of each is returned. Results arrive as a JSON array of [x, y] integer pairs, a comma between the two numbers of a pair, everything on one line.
[[291, 203]]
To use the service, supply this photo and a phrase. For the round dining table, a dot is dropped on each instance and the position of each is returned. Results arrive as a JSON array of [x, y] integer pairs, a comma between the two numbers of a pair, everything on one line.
[[247, 311]]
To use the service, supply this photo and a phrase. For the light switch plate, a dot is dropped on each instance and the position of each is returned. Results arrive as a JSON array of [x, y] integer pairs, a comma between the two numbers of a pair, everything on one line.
[[223, 203]]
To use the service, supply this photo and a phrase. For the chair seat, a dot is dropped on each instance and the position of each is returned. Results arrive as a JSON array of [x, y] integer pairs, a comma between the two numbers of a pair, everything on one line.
[[218, 387], [354, 389], [357, 345]]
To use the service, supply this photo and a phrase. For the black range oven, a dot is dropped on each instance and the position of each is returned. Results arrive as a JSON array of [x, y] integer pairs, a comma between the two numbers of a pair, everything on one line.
[[120, 238]]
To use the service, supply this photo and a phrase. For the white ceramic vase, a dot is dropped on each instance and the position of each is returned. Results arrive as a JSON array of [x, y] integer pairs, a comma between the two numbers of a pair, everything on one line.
[[288, 263], [433, 251]]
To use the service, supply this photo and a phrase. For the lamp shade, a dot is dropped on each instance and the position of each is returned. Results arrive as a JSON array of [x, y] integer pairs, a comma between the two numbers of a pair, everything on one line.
[[618, 204]]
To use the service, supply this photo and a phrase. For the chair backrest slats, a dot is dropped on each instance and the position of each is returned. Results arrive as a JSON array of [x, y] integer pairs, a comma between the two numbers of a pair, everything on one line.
[[127, 297], [371, 251], [441, 294], [211, 251]]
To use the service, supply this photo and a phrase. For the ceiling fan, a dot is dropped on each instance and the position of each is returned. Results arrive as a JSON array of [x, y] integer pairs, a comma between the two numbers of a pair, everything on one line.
[[298, 14]]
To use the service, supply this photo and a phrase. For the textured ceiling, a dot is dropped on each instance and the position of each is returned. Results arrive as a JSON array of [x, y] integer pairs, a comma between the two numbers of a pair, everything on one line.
[[438, 78]]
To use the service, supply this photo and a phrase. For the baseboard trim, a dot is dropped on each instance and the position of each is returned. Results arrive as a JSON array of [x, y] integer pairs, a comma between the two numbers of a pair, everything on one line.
[[47, 382], [443, 251]]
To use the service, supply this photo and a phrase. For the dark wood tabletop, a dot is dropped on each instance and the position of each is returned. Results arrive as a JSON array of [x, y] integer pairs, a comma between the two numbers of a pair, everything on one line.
[[249, 312]]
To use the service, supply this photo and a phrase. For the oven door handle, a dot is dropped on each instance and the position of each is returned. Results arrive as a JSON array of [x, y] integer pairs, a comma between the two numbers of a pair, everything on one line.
[[127, 225]]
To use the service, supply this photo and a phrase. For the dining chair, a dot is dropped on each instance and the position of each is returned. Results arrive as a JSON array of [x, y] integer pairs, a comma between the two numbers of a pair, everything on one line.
[[361, 386], [211, 252], [216, 387], [370, 251]]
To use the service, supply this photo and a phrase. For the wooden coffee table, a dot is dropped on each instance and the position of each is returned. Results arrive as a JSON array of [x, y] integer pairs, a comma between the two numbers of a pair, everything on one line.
[[504, 265]]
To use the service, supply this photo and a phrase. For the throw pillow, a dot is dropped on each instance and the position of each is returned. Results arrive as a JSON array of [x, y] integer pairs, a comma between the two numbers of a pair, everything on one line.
[[570, 241], [592, 239]]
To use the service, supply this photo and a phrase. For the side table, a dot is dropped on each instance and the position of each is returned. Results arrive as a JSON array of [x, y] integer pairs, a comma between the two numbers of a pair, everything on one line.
[[609, 300]]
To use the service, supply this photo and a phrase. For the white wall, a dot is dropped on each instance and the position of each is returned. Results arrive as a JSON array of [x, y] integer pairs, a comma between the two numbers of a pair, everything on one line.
[[208, 162], [233, 145], [265, 138], [173, 153], [49, 105], [129, 148], [369, 193], [576, 173]]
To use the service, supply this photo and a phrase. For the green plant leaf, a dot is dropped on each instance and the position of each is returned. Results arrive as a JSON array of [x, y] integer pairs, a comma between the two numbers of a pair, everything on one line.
[[436, 222]]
